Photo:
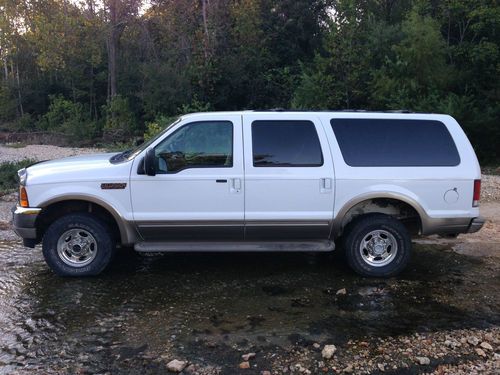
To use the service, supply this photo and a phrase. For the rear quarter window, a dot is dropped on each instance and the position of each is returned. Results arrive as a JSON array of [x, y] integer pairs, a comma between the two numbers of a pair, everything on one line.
[[395, 143]]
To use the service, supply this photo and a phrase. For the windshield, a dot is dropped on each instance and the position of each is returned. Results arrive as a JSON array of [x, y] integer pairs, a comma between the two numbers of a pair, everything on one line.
[[130, 154]]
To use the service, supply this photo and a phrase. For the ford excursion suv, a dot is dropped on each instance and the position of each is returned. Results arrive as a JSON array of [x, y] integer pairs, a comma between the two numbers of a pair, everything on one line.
[[259, 181]]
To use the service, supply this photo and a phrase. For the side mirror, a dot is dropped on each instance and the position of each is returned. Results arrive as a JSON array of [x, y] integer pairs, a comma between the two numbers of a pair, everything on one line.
[[149, 162]]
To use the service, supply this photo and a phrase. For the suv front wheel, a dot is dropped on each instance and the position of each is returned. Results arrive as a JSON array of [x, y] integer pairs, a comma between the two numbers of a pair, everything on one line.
[[377, 245], [78, 244]]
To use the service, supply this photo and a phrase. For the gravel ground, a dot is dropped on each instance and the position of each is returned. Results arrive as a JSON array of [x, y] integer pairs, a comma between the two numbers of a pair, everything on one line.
[[40, 152], [490, 188]]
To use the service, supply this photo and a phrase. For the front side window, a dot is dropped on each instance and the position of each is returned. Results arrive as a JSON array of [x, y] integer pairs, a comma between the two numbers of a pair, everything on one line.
[[201, 144], [285, 144]]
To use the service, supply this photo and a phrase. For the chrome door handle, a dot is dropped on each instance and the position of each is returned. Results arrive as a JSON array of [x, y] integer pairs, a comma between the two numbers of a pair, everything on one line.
[[235, 185], [325, 185]]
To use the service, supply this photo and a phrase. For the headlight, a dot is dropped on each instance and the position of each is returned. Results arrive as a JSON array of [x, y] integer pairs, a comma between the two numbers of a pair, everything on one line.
[[23, 176]]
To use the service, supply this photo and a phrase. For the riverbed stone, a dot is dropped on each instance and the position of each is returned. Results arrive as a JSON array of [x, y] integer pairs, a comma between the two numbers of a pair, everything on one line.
[[424, 361], [248, 356], [486, 345], [328, 351], [176, 365]]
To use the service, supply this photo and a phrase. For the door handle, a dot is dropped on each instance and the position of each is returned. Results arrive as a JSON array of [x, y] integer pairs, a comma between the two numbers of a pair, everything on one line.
[[235, 185], [221, 181], [326, 185]]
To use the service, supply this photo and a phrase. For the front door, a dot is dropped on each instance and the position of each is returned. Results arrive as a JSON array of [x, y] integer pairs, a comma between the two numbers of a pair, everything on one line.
[[289, 178], [197, 192]]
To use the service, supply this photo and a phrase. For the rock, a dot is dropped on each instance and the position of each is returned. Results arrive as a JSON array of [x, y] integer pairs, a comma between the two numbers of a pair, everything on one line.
[[191, 369], [302, 369], [348, 369], [176, 365], [381, 367], [451, 344], [328, 351], [486, 345], [480, 352], [316, 345], [423, 361], [265, 372], [473, 340], [248, 356], [244, 365], [341, 292]]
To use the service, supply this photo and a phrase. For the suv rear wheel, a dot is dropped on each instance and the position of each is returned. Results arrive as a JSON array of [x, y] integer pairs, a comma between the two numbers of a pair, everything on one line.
[[78, 244], [377, 245]]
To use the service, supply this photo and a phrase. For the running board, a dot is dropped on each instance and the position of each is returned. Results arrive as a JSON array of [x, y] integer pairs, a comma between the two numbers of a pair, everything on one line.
[[243, 246]]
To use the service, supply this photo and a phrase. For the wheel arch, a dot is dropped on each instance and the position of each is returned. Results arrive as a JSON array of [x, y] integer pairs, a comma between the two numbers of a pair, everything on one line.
[[59, 206], [380, 202]]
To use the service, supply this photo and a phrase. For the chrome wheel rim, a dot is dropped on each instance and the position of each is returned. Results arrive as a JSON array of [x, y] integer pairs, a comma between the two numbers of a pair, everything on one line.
[[77, 247], [378, 248]]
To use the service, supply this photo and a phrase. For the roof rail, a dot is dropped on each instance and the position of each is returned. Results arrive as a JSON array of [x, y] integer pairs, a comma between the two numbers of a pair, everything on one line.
[[333, 110]]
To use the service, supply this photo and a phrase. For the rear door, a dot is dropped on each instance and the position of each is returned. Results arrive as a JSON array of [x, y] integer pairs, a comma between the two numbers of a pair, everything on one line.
[[289, 177]]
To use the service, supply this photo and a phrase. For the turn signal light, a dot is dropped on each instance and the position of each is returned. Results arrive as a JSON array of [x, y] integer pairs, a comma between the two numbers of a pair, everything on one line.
[[477, 193], [23, 197]]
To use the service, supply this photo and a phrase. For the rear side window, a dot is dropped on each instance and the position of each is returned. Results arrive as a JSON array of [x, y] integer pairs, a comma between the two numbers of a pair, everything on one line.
[[285, 144], [395, 143]]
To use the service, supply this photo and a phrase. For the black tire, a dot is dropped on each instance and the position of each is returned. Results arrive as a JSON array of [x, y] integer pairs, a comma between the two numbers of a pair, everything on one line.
[[104, 245], [360, 228]]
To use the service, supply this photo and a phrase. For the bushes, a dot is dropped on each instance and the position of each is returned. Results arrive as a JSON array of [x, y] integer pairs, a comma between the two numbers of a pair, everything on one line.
[[69, 118], [8, 174], [121, 123], [161, 121]]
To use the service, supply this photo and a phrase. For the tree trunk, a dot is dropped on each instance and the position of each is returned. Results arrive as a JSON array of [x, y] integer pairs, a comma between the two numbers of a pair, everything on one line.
[[112, 47], [205, 27], [5, 69], [21, 110]]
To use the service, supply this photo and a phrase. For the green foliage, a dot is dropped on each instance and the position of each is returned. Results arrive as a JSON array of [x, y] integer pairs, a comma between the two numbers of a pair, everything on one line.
[[70, 118], [120, 120], [161, 122], [7, 104], [417, 76], [57, 72], [195, 106], [8, 174]]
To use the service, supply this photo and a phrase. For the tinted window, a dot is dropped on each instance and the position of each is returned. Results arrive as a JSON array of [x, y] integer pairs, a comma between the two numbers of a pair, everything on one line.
[[196, 145], [285, 144], [394, 143]]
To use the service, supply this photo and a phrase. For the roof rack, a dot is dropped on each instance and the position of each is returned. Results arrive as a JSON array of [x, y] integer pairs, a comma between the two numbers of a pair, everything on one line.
[[333, 110]]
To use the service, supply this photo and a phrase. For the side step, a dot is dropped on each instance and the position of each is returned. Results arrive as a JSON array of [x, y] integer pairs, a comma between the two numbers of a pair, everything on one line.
[[250, 246]]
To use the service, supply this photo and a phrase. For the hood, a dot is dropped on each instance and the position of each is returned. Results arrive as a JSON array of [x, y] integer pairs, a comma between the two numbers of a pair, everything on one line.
[[92, 167]]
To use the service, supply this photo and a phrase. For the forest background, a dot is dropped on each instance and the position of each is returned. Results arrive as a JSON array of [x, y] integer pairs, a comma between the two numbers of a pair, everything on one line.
[[101, 71]]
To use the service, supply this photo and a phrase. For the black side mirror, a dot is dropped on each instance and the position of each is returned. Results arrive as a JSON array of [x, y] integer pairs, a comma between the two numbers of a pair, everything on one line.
[[149, 162]]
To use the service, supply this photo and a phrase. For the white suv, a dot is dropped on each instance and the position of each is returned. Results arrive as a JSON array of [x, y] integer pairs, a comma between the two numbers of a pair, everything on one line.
[[259, 181]]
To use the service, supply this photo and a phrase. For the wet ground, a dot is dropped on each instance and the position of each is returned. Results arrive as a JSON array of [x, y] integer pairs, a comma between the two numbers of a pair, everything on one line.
[[209, 309]]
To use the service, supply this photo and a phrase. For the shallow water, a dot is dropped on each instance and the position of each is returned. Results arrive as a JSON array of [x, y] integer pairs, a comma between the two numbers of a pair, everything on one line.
[[210, 308]]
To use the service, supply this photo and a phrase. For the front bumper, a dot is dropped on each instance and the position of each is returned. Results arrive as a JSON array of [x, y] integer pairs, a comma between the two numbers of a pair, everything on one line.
[[24, 221]]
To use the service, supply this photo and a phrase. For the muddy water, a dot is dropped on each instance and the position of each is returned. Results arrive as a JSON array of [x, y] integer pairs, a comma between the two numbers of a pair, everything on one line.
[[210, 308]]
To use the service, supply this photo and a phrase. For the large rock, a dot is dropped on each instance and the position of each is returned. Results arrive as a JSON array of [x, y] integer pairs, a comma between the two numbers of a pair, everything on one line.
[[176, 365], [328, 351], [424, 361]]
